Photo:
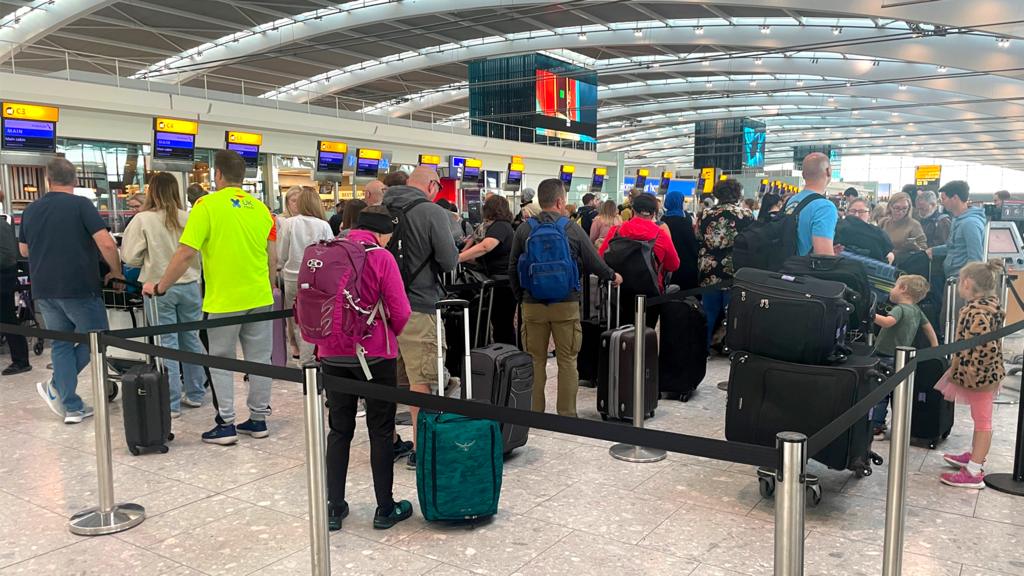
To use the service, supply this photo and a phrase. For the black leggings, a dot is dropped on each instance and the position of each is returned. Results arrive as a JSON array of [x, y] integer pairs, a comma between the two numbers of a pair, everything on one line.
[[380, 424]]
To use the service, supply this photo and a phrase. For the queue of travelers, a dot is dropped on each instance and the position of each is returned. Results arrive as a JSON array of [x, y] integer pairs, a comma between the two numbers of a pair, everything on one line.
[[227, 255]]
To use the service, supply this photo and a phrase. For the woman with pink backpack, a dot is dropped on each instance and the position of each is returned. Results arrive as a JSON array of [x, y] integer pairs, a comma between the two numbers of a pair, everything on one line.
[[369, 310]]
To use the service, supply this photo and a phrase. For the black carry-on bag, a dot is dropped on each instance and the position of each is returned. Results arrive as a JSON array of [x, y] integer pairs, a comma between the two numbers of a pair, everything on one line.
[[932, 419], [146, 402], [595, 319], [851, 273], [615, 373], [683, 356], [789, 318], [503, 376], [768, 396]]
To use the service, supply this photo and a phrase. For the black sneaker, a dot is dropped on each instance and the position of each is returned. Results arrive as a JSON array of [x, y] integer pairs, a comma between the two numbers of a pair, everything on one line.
[[402, 448], [16, 369], [401, 511], [410, 462], [335, 514]]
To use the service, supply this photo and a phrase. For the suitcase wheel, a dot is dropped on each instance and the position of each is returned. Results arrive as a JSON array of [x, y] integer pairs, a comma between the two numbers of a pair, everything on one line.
[[38, 347], [112, 392], [876, 459], [685, 397], [766, 486], [604, 417], [134, 450], [163, 449], [862, 472], [650, 415], [170, 436], [813, 495]]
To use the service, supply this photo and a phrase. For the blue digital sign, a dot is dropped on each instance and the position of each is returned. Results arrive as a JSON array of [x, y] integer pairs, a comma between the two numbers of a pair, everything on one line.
[[29, 135], [753, 146], [170, 146], [330, 162], [367, 167], [249, 152]]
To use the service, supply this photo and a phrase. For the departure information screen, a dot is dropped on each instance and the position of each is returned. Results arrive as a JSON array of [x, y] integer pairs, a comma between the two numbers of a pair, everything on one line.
[[367, 167], [514, 177], [170, 146], [471, 173], [248, 152], [330, 162], [29, 135]]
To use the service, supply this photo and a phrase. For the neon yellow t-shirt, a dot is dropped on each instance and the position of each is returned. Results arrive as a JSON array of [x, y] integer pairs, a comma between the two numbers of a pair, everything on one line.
[[231, 229]]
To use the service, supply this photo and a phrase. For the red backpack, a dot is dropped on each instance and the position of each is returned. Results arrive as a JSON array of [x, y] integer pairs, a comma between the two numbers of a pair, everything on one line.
[[329, 306]]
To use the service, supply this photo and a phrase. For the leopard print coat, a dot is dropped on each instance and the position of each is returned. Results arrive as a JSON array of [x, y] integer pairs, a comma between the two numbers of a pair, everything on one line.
[[979, 368]]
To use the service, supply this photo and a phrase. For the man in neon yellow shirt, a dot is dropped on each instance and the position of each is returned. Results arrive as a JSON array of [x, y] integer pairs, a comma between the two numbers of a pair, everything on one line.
[[235, 234]]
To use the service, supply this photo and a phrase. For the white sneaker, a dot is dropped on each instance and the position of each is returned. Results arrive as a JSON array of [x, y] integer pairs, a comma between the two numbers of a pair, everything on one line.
[[49, 395], [190, 403], [79, 415], [175, 415]]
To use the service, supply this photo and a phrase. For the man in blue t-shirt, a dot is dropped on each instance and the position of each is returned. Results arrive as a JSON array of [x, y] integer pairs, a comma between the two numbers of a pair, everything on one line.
[[64, 237], [816, 226]]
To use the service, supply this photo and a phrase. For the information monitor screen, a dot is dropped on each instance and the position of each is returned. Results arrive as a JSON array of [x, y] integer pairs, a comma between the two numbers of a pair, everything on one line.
[[29, 135], [367, 167], [330, 161], [249, 152], [514, 177], [171, 146]]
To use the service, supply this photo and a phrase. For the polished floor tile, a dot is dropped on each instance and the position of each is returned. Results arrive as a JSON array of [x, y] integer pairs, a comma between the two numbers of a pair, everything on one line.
[[99, 556], [605, 511], [583, 554]]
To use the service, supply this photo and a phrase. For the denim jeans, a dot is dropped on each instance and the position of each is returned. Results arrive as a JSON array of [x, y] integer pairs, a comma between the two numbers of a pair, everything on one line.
[[715, 303], [181, 303], [80, 315], [257, 340]]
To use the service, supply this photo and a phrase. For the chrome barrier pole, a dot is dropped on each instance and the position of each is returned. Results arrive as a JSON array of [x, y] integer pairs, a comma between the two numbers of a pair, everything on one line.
[[949, 312], [790, 503], [899, 446], [108, 517], [628, 452], [316, 473]]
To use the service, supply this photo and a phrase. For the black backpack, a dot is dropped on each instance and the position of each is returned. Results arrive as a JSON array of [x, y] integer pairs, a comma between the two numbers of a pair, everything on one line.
[[634, 260], [767, 245], [401, 239]]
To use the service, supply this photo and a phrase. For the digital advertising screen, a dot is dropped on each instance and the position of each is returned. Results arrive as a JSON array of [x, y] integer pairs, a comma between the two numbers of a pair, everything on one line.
[[754, 137], [249, 152], [29, 135], [171, 146], [566, 107]]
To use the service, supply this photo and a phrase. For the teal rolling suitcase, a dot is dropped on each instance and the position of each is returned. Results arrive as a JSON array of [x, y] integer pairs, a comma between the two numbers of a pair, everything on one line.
[[458, 459]]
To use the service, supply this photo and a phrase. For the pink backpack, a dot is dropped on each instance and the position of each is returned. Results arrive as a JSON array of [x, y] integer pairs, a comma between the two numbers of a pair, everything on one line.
[[328, 303]]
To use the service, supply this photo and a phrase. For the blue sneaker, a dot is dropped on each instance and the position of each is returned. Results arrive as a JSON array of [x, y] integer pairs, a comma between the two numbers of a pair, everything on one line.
[[221, 434], [49, 395], [254, 428]]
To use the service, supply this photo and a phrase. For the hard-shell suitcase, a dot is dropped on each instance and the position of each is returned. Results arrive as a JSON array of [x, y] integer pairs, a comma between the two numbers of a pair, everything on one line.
[[504, 377], [767, 396], [683, 360], [146, 404], [458, 459], [615, 373], [844, 270], [789, 318], [932, 418]]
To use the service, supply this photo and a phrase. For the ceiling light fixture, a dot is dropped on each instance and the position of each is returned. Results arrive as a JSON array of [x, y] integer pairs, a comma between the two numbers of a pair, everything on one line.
[[758, 60], [708, 84], [698, 29], [1003, 42], [706, 63], [799, 82], [582, 35], [875, 64], [638, 32], [768, 30], [753, 82], [903, 86], [837, 30], [942, 68]]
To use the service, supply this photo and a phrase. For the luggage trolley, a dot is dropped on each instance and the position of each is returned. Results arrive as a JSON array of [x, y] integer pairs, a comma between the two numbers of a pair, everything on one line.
[[124, 310], [24, 306]]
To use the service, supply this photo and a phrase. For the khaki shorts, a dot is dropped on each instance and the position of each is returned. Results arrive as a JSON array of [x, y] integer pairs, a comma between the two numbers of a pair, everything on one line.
[[417, 351]]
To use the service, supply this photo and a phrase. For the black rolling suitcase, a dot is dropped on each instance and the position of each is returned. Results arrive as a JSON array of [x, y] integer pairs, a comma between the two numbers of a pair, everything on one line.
[[932, 418], [615, 373], [768, 396], [844, 270], [503, 376], [595, 319], [789, 318], [146, 403], [683, 357]]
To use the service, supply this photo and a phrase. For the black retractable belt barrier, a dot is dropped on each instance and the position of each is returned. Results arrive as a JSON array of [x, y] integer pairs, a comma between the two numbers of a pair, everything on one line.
[[683, 294], [681, 443], [201, 324], [76, 337]]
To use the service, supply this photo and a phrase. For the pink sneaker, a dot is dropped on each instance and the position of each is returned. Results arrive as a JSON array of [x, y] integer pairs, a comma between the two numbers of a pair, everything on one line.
[[957, 460], [963, 479]]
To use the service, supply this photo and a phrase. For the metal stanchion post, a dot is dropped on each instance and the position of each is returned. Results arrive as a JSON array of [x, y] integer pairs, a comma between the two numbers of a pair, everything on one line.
[[1012, 483], [899, 446], [628, 452], [790, 503], [108, 517], [316, 473], [949, 311]]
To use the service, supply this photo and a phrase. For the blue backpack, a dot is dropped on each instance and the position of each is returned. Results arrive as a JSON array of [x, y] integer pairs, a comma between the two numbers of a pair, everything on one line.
[[547, 269]]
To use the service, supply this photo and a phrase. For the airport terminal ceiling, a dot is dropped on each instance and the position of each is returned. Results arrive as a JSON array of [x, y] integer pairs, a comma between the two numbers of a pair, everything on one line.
[[939, 78]]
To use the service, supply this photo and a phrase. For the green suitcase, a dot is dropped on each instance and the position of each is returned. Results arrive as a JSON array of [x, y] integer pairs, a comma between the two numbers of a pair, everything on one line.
[[458, 459]]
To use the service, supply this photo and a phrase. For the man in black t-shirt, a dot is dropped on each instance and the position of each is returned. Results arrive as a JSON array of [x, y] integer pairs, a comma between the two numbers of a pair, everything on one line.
[[63, 237], [588, 211]]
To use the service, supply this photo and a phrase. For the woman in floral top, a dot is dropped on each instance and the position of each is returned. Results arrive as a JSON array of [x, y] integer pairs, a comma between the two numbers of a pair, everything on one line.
[[717, 232]]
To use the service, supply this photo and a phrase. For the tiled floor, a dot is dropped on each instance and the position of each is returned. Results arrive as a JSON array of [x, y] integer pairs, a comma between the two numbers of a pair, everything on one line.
[[567, 507]]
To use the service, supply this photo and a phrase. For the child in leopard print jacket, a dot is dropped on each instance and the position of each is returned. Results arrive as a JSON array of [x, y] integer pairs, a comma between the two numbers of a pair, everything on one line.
[[975, 374]]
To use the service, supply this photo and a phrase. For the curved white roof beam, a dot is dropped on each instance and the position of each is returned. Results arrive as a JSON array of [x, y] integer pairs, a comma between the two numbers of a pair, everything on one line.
[[955, 51], [35, 20], [347, 15]]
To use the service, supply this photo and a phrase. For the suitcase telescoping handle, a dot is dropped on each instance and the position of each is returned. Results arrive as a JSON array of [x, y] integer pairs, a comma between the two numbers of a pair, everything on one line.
[[618, 304], [467, 368], [152, 316]]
